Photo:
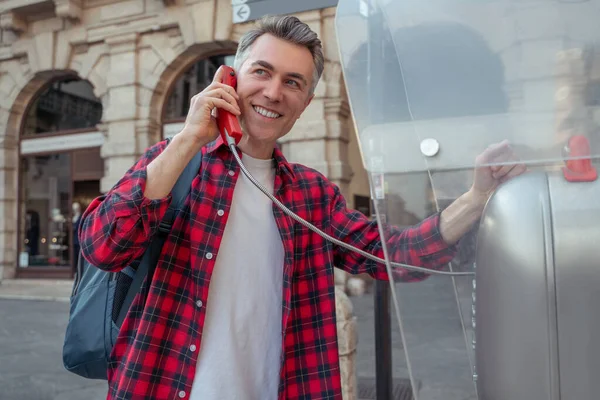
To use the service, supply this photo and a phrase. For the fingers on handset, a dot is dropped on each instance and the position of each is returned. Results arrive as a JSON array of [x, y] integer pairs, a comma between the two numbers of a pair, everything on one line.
[[224, 105], [218, 78], [221, 93], [229, 89], [217, 97]]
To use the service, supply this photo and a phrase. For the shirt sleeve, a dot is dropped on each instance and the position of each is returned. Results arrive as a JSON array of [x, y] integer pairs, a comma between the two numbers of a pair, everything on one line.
[[420, 245], [117, 227]]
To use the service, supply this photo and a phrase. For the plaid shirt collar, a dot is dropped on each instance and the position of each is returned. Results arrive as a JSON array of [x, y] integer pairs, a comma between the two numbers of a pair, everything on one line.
[[281, 164]]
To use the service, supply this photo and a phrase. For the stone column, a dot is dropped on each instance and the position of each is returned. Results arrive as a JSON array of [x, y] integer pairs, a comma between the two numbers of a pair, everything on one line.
[[9, 164], [13, 79], [147, 133], [121, 150], [347, 343]]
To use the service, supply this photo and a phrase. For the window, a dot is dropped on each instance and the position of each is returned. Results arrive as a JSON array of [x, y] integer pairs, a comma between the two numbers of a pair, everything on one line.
[[56, 187], [62, 106], [45, 193], [192, 82]]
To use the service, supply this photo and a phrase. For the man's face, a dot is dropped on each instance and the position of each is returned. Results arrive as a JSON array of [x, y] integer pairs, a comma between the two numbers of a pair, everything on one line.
[[273, 85]]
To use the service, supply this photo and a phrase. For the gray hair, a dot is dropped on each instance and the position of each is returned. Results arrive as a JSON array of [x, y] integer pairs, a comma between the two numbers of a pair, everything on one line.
[[290, 29]]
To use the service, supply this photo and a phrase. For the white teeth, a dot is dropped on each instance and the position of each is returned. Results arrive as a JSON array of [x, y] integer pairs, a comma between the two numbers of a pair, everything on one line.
[[266, 113]]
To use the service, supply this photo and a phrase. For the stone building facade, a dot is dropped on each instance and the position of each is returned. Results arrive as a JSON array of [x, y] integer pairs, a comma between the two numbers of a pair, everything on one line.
[[87, 85]]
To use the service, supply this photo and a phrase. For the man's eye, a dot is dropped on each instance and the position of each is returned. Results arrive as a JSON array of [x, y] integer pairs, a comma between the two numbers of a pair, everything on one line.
[[292, 82], [259, 71]]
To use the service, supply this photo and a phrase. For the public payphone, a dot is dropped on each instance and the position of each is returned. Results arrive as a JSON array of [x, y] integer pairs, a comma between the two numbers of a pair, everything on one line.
[[431, 85]]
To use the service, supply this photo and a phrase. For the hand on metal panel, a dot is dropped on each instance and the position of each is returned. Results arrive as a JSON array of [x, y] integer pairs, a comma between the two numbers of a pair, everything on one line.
[[496, 165]]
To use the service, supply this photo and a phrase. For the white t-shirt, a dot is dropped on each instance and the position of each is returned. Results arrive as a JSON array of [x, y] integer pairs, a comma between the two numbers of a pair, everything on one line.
[[241, 341]]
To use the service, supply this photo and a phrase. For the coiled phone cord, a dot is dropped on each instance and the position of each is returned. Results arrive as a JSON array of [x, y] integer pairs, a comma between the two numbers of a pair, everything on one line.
[[290, 213]]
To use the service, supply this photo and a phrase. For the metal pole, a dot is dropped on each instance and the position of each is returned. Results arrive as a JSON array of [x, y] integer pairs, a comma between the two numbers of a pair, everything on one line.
[[383, 331], [383, 342]]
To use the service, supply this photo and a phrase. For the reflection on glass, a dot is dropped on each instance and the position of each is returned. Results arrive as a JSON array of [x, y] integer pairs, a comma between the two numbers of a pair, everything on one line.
[[45, 188], [469, 77]]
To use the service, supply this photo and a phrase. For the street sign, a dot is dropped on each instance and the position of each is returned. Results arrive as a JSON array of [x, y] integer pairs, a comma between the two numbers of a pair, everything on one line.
[[249, 10]]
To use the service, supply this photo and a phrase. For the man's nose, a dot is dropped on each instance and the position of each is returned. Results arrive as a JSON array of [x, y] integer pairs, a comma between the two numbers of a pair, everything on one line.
[[273, 90]]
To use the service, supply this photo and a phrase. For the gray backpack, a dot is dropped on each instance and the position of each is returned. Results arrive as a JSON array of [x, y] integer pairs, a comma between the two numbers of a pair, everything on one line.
[[100, 300]]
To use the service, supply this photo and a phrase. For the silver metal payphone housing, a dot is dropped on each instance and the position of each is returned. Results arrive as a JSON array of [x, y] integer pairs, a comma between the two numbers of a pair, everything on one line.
[[538, 291]]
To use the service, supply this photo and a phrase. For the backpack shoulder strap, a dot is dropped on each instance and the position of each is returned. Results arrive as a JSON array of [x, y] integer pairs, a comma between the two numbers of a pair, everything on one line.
[[150, 258], [180, 191]]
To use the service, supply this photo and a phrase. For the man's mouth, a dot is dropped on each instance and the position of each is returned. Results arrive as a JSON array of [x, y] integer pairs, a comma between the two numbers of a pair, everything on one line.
[[266, 113]]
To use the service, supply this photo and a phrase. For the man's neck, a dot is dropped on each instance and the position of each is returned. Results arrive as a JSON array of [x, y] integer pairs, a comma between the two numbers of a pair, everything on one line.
[[259, 150]]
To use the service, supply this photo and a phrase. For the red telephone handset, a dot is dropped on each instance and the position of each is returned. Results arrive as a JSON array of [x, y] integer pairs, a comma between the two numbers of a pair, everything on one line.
[[226, 121]]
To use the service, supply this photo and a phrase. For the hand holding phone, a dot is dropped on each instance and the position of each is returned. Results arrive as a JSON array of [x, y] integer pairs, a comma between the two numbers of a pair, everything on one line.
[[227, 122], [201, 125]]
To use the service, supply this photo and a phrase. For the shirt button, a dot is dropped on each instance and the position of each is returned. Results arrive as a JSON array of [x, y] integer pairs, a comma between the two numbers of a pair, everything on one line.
[[181, 394], [193, 348], [199, 303], [209, 256], [220, 213], [231, 173]]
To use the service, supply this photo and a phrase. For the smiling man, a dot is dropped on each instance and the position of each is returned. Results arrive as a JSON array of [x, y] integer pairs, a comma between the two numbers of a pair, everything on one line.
[[241, 305], [269, 106]]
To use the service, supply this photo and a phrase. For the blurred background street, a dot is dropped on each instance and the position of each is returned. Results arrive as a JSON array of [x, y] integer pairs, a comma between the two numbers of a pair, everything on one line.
[[33, 317], [32, 324]]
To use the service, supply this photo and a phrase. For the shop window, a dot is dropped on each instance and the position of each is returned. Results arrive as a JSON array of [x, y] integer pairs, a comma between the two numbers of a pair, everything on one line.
[[56, 187], [64, 106], [192, 82], [46, 187], [55, 190]]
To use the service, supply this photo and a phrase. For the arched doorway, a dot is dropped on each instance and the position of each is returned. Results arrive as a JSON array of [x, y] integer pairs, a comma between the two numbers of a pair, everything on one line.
[[60, 168], [192, 81]]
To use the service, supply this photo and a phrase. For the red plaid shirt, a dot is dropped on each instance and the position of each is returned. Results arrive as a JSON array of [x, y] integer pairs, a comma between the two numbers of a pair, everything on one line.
[[152, 358]]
